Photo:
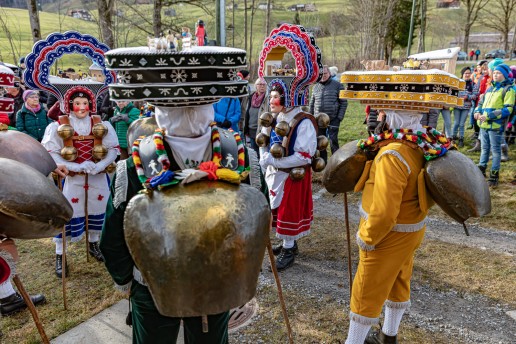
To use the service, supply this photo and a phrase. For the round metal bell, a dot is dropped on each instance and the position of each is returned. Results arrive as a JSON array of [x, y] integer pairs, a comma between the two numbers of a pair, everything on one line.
[[111, 167], [99, 130], [99, 152], [317, 154], [266, 119], [277, 151], [322, 142], [323, 120], [297, 173], [282, 128], [318, 164], [262, 140], [69, 153], [65, 131]]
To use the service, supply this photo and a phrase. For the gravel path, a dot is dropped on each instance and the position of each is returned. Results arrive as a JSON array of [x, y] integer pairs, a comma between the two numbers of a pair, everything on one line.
[[468, 318]]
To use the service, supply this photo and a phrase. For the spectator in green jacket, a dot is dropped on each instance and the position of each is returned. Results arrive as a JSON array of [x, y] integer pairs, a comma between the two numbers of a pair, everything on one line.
[[125, 114], [32, 118]]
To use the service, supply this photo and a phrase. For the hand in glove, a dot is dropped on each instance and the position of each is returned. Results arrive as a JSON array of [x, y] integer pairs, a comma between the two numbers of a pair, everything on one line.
[[124, 117], [266, 160], [87, 166], [115, 119], [226, 124], [190, 175]]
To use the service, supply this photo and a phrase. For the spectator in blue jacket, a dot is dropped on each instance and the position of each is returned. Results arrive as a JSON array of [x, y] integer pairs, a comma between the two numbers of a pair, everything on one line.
[[227, 113]]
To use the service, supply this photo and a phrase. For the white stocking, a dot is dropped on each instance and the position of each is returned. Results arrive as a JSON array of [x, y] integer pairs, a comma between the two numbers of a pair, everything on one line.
[[393, 317], [93, 236], [357, 332], [6, 289], [288, 243]]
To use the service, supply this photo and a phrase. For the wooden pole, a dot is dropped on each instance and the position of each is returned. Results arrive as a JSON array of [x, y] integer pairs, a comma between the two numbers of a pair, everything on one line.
[[86, 187], [348, 237], [32, 309], [63, 270], [280, 292]]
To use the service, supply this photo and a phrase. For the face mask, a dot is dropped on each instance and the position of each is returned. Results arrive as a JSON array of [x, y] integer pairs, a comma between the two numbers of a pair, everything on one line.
[[276, 102]]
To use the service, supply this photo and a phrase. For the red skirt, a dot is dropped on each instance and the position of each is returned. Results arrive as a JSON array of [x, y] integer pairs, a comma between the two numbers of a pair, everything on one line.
[[293, 218]]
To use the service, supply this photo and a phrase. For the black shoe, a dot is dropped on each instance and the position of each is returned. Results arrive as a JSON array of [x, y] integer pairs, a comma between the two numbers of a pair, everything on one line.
[[59, 266], [16, 303], [277, 248], [493, 179], [95, 251], [378, 337], [285, 259], [461, 142]]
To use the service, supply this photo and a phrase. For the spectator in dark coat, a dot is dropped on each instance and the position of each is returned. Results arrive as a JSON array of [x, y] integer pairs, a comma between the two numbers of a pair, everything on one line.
[[325, 98]]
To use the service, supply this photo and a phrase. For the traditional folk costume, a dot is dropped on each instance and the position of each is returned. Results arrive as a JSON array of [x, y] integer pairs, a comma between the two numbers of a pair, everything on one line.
[[173, 276], [398, 184], [10, 301], [86, 145], [290, 149]]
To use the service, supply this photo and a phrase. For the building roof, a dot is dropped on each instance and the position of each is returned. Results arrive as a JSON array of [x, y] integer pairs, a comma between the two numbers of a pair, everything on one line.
[[436, 54]]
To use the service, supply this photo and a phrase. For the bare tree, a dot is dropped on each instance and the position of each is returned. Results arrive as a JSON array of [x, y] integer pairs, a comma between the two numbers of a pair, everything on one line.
[[34, 20], [422, 27], [473, 7], [501, 20], [268, 18], [335, 28], [105, 8], [245, 24], [250, 56], [156, 18]]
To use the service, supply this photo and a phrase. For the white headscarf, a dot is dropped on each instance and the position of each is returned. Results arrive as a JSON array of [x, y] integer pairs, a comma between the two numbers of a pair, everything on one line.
[[185, 122], [188, 132], [404, 120]]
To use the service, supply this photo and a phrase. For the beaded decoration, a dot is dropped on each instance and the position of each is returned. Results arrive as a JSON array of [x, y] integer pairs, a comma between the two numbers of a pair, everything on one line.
[[432, 142], [219, 171]]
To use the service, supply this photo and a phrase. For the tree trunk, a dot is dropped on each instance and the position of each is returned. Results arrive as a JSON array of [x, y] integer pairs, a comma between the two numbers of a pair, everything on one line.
[[250, 56], [156, 18], [422, 28], [268, 19], [245, 25], [34, 20], [105, 8], [467, 29]]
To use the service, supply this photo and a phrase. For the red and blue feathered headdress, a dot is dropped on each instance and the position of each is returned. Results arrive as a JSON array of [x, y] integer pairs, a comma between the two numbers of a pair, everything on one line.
[[46, 52], [307, 56], [6, 80]]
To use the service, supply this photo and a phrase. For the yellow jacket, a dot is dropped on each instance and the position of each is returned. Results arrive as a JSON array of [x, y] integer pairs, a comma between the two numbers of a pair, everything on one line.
[[394, 197]]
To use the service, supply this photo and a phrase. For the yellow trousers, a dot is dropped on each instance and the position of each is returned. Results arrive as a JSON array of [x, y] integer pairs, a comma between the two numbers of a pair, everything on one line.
[[384, 273]]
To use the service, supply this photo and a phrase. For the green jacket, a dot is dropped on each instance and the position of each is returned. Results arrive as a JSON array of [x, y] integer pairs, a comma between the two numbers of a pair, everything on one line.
[[497, 104], [122, 119], [33, 124]]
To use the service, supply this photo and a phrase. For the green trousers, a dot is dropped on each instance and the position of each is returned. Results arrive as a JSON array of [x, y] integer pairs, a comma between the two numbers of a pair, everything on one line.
[[150, 327]]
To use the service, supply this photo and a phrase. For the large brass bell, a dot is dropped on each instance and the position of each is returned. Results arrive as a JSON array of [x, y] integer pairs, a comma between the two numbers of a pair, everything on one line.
[[322, 142], [277, 151], [266, 119], [297, 173], [99, 130], [323, 120], [262, 140], [65, 131], [69, 153], [282, 128], [99, 152], [318, 164]]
